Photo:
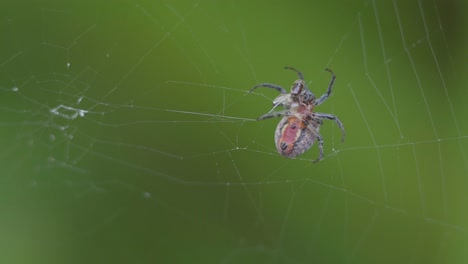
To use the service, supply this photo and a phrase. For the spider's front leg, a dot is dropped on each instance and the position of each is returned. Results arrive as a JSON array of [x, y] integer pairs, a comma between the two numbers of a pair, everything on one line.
[[297, 71], [269, 85], [273, 114], [329, 90]]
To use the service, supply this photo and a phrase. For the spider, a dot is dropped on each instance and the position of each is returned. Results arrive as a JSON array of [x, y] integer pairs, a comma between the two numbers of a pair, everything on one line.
[[299, 127]]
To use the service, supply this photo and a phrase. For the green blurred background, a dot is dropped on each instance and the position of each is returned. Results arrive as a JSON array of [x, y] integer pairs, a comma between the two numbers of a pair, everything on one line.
[[128, 136]]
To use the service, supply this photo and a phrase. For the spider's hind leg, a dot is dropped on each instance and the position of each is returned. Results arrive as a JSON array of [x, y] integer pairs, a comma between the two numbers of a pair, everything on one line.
[[314, 131], [338, 122], [320, 146]]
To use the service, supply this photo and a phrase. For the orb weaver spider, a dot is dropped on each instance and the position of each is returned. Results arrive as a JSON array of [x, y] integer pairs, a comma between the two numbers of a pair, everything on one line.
[[299, 127]]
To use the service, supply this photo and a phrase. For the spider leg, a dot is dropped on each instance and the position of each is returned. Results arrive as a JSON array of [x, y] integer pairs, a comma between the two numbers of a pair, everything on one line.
[[338, 122], [269, 85], [319, 140], [325, 96], [273, 114], [298, 72]]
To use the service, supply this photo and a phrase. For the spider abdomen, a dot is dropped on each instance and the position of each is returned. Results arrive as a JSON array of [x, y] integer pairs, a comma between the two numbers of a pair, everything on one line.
[[292, 137]]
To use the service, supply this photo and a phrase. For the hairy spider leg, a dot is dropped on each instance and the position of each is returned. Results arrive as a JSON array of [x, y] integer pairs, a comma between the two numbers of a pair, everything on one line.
[[319, 140], [325, 96], [269, 85], [297, 71], [273, 114], [338, 122]]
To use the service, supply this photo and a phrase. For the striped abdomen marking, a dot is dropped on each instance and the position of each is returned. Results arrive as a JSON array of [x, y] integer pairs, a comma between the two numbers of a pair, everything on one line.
[[293, 137]]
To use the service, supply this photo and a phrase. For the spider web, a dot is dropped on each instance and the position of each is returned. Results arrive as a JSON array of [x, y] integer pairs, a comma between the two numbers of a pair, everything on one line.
[[128, 133]]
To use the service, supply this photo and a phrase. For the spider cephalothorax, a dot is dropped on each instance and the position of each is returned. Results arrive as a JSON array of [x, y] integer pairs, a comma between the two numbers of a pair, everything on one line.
[[299, 127]]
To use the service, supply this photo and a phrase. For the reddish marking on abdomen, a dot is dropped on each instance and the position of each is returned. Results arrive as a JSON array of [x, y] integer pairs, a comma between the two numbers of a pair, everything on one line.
[[290, 132]]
